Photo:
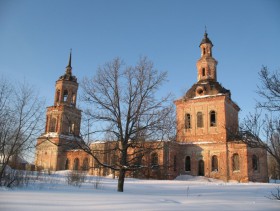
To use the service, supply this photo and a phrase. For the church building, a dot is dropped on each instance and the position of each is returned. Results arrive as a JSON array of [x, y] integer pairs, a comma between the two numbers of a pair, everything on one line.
[[206, 119]]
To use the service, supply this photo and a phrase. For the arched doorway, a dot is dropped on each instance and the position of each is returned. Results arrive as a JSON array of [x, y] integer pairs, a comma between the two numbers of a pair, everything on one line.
[[201, 168]]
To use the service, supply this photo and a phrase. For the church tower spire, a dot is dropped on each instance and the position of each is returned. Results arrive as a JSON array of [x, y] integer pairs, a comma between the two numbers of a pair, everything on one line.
[[69, 68], [206, 65]]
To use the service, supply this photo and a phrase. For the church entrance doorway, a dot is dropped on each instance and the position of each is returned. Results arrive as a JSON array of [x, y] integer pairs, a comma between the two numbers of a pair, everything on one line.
[[201, 168]]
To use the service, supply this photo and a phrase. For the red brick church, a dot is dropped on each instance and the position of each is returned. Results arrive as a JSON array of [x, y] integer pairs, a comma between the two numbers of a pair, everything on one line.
[[206, 118]]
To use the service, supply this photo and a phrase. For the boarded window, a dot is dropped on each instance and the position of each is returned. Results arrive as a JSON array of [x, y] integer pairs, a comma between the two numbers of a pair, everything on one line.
[[188, 163], [52, 127], [199, 119], [213, 122], [187, 121], [235, 162], [214, 163]]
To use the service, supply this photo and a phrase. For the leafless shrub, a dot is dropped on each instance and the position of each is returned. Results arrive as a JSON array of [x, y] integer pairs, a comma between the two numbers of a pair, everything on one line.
[[275, 195], [75, 178]]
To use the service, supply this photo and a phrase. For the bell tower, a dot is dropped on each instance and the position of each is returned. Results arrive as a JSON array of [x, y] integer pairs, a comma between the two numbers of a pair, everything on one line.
[[62, 126], [206, 65]]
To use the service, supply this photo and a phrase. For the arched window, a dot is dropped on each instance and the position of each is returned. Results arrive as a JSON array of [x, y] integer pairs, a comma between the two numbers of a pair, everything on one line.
[[199, 117], [76, 164], [187, 121], [85, 164], [235, 162], [154, 160], [175, 163], [255, 162], [188, 163], [215, 163], [213, 120], [65, 95], [57, 95], [52, 127], [73, 98], [67, 163]]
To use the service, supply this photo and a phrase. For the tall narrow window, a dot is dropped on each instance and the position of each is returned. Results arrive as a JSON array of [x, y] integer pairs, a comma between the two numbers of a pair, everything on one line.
[[203, 71], [67, 164], [175, 163], [204, 51], [255, 163], [235, 162], [65, 95], [199, 117], [187, 121], [188, 163], [76, 164], [214, 163], [73, 98], [213, 121], [52, 127], [154, 160], [85, 164]]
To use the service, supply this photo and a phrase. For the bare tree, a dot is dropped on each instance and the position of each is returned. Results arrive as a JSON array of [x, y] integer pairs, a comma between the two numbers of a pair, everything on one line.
[[20, 118], [262, 128], [126, 111]]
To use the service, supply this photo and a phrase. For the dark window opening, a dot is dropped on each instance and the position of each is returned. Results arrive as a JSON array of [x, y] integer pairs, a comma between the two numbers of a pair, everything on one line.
[[187, 121], [212, 119], [199, 119], [188, 163], [204, 51], [76, 164], [85, 164], [214, 163], [203, 71], [175, 163], [154, 160], [67, 164], [255, 163]]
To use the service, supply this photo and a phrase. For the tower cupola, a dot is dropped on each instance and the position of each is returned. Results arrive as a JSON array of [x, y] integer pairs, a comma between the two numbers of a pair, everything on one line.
[[206, 65]]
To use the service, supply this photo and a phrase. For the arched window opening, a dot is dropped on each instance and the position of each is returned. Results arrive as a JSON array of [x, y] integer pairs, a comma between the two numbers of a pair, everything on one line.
[[76, 164], [187, 121], [188, 163], [213, 121], [57, 95], [255, 163], [203, 71], [67, 163], [204, 51], [52, 127], [235, 162], [65, 95], [199, 119], [154, 160], [73, 99], [85, 164], [175, 163], [72, 128], [214, 163]]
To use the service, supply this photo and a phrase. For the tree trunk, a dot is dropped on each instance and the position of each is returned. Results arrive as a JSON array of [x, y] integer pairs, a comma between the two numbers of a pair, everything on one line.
[[121, 180]]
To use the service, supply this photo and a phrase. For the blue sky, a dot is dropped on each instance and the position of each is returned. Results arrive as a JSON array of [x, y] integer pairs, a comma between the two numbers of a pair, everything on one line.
[[35, 38]]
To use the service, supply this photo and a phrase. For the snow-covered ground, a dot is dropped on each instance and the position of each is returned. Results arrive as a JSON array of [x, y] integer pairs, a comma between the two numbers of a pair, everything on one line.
[[52, 193]]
